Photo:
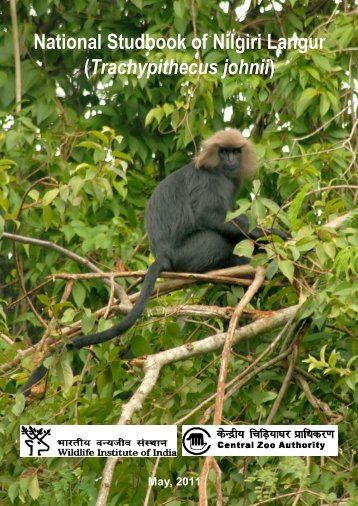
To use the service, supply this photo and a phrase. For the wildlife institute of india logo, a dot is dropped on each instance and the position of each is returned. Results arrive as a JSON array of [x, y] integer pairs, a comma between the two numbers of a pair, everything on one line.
[[98, 441], [35, 440]]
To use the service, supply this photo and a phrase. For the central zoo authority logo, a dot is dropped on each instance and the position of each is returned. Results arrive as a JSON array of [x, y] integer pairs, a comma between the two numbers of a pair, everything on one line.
[[195, 441]]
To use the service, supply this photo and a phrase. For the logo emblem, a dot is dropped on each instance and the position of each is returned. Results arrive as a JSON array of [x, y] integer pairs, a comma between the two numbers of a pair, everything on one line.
[[35, 440], [196, 441]]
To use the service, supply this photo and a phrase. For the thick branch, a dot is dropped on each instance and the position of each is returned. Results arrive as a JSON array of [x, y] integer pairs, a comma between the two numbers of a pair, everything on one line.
[[191, 310]]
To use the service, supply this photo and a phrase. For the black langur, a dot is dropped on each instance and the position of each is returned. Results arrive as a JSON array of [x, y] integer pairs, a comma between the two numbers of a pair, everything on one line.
[[185, 221]]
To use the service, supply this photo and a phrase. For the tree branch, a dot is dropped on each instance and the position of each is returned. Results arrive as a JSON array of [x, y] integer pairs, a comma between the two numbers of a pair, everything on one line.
[[257, 282], [16, 46], [67, 253]]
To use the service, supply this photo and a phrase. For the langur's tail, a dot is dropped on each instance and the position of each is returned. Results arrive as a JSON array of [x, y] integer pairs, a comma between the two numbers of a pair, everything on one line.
[[118, 329], [100, 337]]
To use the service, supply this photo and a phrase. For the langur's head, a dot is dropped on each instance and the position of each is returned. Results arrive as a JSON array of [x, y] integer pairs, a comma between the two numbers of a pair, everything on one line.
[[228, 152]]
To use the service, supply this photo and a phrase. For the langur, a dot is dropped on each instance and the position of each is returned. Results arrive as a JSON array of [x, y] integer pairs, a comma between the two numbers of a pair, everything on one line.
[[185, 222]]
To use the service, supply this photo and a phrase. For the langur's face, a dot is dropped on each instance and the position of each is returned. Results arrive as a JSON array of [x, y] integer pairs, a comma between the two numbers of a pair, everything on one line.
[[230, 162]]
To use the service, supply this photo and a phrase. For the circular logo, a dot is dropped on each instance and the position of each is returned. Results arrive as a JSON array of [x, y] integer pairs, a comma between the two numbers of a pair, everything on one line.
[[195, 441]]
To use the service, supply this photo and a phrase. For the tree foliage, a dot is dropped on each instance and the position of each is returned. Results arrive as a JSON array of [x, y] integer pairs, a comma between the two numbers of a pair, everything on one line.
[[78, 163]]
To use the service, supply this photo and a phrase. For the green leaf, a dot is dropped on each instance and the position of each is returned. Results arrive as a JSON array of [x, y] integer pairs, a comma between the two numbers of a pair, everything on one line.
[[180, 8], [334, 101], [64, 373], [77, 184], [306, 244], [140, 346], [297, 202], [295, 21], [50, 196], [324, 104], [43, 111], [287, 268], [258, 209], [13, 491], [157, 113], [214, 57], [229, 88], [12, 141], [333, 358], [3, 78], [209, 102], [2, 225], [168, 108], [295, 254], [304, 101], [88, 321], [47, 216], [322, 353], [347, 35], [270, 204], [79, 293], [330, 249], [314, 73], [4, 163], [303, 76], [304, 232], [244, 248], [271, 269], [91, 145], [138, 4], [321, 61], [122, 156], [101, 136], [34, 489], [82, 166], [19, 406], [243, 206], [28, 123], [321, 255]]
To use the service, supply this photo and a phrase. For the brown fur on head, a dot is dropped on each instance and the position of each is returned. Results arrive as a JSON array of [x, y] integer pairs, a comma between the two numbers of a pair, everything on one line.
[[208, 157]]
